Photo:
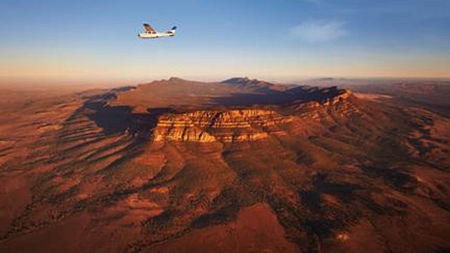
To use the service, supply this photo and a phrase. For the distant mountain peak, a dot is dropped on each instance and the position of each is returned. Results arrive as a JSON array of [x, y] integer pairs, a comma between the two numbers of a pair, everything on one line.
[[236, 80], [176, 79], [246, 81]]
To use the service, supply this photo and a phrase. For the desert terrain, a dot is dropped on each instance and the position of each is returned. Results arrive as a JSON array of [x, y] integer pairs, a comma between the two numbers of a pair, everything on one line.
[[240, 165]]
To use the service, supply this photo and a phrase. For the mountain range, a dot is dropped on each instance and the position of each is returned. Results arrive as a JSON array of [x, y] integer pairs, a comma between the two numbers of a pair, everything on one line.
[[240, 165]]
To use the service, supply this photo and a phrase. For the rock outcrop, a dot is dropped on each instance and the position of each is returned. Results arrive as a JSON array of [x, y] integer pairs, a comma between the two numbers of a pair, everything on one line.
[[238, 125], [215, 125]]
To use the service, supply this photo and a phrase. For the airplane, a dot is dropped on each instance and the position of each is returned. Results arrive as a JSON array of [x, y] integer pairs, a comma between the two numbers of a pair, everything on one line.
[[153, 34]]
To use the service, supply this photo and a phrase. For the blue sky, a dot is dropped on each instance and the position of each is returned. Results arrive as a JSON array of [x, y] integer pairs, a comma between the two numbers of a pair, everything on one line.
[[277, 40]]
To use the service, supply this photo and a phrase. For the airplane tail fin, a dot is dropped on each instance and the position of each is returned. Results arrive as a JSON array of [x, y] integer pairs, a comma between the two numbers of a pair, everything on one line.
[[173, 30]]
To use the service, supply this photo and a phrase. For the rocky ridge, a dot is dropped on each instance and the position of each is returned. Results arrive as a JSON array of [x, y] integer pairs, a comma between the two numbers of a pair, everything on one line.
[[211, 126], [235, 125]]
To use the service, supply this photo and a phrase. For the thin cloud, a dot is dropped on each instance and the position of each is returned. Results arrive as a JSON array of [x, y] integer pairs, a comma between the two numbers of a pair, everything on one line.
[[319, 30]]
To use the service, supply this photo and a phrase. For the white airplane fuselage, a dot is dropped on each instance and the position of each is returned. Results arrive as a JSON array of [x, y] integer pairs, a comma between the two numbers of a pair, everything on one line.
[[155, 35]]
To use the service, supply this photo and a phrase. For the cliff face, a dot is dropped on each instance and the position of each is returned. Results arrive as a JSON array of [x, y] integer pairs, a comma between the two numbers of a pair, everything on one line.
[[214, 125], [237, 125], [338, 96]]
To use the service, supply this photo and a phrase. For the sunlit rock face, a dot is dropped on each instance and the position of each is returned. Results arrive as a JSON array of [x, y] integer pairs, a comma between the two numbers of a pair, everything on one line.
[[237, 125], [223, 126]]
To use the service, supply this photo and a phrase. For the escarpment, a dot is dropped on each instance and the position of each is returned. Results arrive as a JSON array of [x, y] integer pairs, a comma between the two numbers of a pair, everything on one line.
[[237, 125], [224, 126], [236, 110]]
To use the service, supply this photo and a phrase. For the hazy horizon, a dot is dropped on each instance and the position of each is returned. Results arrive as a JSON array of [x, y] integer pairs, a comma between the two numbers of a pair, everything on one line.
[[75, 85]]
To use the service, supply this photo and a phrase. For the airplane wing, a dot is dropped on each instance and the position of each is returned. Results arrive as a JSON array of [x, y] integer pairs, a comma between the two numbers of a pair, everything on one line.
[[149, 28]]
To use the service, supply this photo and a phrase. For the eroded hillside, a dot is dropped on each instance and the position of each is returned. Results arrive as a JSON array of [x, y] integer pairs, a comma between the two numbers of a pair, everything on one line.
[[243, 165]]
